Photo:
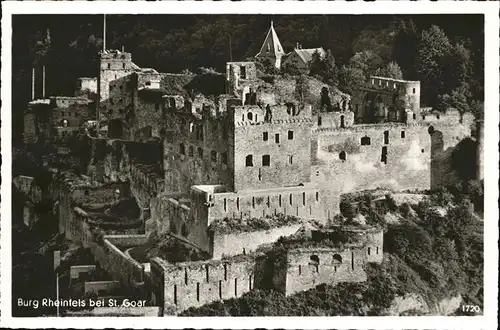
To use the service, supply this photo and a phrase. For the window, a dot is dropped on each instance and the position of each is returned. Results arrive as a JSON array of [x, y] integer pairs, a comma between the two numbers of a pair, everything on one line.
[[277, 138], [224, 158], [414, 116], [383, 157], [268, 48], [200, 152], [342, 122], [342, 155], [265, 136], [369, 251], [365, 141], [182, 149], [198, 291], [337, 258], [291, 199], [249, 160], [319, 120], [386, 137], [243, 71], [423, 150], [185, 276], [314, 261], [123, 65], [109, 66], [191, 151], [290, 159], [403, 134], [414, 91], [213, 156], [206, 270], [290, 135], [317, 196], [225, 272], [266, 160], [303, 198], [250, 116]]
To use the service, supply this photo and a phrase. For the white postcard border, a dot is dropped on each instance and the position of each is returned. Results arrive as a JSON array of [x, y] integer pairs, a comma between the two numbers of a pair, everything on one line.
[[489, 9]]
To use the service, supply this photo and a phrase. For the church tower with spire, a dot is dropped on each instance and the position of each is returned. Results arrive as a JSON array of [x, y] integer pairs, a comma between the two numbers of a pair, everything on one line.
[[271, 48]]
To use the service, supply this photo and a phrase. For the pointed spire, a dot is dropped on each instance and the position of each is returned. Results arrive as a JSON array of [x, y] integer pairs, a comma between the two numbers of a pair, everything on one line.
[[271, 48]]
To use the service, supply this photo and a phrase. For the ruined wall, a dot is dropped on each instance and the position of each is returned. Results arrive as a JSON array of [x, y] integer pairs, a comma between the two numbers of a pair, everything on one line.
[[339, 119], [302, 201], [386, 99], [304, 272], [361, 157], [231, 244], [149, 120], [273, 153], [85, 85], [197, 151], [116, 263], [70, 111], [193, 284]]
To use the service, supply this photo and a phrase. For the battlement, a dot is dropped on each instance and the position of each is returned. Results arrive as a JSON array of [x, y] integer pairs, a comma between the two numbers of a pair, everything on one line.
[[391, 84], [68, 101], [193, 284], [247, 115], [334, 120], [115, 55]]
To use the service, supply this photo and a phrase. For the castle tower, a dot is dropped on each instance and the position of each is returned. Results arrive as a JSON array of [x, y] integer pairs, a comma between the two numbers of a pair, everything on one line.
[[271, 48], [480, 149]]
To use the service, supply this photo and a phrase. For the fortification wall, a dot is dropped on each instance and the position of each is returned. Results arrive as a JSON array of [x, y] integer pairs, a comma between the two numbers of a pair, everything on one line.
[[121, 267], [304, 272], [301, 201], [339, 119], [193, 284], [197, 151], [149, 119], [271, 154], [69, 111], [373, 156], [230, 244], [127, 240]]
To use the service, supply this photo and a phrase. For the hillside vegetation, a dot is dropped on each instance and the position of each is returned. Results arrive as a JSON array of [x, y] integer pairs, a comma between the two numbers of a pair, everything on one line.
[[435, 251]]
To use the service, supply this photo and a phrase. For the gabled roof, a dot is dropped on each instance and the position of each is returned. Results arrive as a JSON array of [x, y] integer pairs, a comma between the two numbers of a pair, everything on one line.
[[272, 45], [306, 54]]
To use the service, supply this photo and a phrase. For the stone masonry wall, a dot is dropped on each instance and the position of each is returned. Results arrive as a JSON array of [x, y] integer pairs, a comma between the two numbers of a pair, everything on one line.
[[193, 284], [335, 265], [230, 244], [197, 151], [353, 158], [274, 154]]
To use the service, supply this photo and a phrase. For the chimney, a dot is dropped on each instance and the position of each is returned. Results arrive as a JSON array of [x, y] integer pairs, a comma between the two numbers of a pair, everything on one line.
[[43, 82], [33, 84], [123, 49]]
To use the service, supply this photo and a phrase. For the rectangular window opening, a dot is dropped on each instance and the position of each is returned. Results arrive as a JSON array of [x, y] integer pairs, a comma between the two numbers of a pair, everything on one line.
[[265, 136], [290, 135], [277, 138]]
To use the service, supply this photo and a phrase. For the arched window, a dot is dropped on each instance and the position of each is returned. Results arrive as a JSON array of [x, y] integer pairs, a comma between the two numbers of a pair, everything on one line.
[[337, 258], [314, 262], [250, 116], [319, 121], [342, 122], [342, 155], [365, 141], [249, 160]]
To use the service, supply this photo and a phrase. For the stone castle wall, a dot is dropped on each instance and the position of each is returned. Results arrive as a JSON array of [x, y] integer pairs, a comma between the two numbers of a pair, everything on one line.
[[193, 284], [197, 151], [303, 272], [231, 244]]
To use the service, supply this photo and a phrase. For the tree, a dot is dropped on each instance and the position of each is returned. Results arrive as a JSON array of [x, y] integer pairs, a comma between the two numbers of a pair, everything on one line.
[[391, 70], [350, 78], [433, 51]]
